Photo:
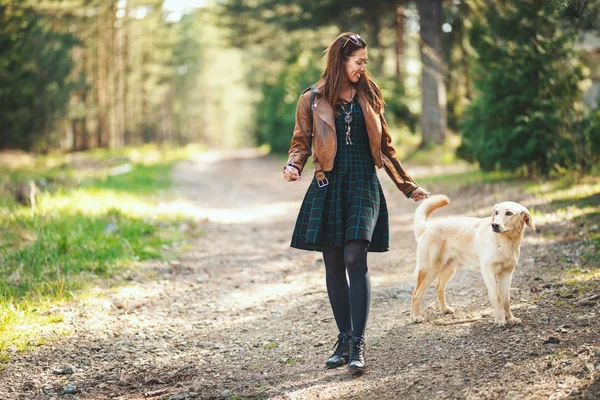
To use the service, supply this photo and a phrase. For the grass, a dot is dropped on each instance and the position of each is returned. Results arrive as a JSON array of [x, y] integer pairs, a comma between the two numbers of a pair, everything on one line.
[[445, 154], [569, 190], [577, 199], [99, 228], [468, 178]]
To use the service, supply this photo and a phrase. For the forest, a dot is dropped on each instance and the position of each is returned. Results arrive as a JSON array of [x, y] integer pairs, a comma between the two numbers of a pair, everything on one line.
[[84, 74]]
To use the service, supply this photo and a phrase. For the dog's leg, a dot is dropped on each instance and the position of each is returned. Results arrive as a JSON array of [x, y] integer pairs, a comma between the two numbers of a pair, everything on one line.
[[490, 282], [424, 279], [504, 283], [440, 288]]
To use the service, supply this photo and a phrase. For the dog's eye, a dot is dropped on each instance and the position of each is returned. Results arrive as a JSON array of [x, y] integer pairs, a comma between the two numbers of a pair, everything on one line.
[[496, 212], [509, 213]]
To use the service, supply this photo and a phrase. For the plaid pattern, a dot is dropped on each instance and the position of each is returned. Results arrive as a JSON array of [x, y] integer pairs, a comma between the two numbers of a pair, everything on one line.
[[352, 206]]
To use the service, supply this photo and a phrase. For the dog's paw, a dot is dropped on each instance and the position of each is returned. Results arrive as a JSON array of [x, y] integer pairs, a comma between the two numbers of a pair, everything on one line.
[[500, 322], [513, 321], [448, 310], [418, 319]]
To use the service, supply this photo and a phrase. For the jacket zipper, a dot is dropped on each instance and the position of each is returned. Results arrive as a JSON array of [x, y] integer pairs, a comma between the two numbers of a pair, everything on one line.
[[315, 111]]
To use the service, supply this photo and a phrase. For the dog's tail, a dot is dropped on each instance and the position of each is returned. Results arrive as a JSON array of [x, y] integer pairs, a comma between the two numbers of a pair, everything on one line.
[[427, 207]]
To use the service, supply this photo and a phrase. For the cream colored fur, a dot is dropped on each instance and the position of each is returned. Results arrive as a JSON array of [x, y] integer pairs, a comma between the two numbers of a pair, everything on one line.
[[489, 244]]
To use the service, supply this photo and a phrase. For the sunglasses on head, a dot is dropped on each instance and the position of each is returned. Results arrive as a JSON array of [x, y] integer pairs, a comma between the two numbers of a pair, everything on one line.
[[355, 39]]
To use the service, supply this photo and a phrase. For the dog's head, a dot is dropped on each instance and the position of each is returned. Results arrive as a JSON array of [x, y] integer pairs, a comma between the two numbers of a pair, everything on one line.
[[510, 217]]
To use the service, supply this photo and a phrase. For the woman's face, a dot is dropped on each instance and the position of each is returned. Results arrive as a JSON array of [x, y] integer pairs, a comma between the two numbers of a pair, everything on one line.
[[356, 65]]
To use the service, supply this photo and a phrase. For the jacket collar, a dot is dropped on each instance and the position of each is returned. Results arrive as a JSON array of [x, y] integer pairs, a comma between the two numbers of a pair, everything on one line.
[[325, 111]]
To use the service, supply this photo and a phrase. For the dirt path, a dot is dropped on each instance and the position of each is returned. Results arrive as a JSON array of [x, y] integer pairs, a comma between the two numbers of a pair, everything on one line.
[[241, 315]]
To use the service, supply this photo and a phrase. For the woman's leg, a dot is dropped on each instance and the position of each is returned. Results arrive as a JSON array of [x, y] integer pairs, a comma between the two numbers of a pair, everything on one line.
[[355, 256], [337, 287]]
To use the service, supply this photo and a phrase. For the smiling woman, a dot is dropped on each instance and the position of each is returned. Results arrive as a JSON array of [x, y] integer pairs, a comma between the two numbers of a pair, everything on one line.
[[344, 212]]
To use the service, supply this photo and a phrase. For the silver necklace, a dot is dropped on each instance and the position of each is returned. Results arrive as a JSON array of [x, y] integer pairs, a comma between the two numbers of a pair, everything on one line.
[[348, 119]]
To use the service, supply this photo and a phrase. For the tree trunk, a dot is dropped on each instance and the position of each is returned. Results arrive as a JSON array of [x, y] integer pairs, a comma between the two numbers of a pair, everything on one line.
[[118, 108], [433, 113], [72, 142], [128, 122], [458, 87], [101, 86], [147, 131], [89, 96], [400, 20]]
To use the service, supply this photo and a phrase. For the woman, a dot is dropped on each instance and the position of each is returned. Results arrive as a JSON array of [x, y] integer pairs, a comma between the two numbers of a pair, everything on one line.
[[344, 212]]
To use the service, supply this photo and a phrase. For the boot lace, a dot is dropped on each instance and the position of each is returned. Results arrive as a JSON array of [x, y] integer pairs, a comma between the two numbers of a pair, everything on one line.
[[342, 343], [357, 352]]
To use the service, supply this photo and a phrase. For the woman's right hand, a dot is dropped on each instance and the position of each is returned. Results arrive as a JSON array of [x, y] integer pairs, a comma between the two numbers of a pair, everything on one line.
[[291, 174]]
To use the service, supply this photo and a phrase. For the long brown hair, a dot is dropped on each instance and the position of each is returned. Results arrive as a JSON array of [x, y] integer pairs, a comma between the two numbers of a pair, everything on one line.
[[333, 78]]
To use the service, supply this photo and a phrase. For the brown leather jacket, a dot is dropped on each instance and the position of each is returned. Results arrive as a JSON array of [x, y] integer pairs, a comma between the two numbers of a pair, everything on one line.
[[322, 135]]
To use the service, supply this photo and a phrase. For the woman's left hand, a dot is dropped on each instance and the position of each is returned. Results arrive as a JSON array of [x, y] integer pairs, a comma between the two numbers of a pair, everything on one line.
[[419, 194]]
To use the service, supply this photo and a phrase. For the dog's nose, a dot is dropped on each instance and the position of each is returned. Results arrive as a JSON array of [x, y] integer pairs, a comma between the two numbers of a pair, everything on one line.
[[495, 226]]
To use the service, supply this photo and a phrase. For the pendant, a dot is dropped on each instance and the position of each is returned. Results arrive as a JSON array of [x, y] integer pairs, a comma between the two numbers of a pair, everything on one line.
[[348, 119]]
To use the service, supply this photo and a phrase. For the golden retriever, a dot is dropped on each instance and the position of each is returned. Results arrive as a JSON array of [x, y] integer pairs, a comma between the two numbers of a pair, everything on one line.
[[489, 244]]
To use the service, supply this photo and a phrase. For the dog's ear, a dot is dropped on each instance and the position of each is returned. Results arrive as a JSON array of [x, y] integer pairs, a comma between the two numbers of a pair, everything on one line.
[[527, 218]]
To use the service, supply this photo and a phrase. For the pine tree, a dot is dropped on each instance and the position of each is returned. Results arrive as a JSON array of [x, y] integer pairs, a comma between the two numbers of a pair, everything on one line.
[[34, 77], [526, 77]]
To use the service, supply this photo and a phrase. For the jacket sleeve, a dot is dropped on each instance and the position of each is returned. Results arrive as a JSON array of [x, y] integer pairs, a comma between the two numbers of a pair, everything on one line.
[[392, 165], [300, 148]]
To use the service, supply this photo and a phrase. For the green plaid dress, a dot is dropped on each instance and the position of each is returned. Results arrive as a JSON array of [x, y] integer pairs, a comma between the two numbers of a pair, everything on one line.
[[352, 206]]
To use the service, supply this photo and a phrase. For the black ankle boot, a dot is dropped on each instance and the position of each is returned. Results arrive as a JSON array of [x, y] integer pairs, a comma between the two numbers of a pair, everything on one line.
[[341, 353], [357, 355]]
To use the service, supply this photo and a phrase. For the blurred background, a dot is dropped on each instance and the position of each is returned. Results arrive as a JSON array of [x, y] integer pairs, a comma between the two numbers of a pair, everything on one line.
[[506, 84]]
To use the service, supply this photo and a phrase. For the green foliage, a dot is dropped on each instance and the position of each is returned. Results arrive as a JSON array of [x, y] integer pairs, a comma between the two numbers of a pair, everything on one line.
[[526, 78], [277, 109], [188, 67], [291, 15], [577, 14], [396, 109], [590, 127], [141, 180], [35, 64]]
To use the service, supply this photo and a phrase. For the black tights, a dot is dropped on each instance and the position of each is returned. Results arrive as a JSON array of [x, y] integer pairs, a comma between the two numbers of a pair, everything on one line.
[[350, 305]]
